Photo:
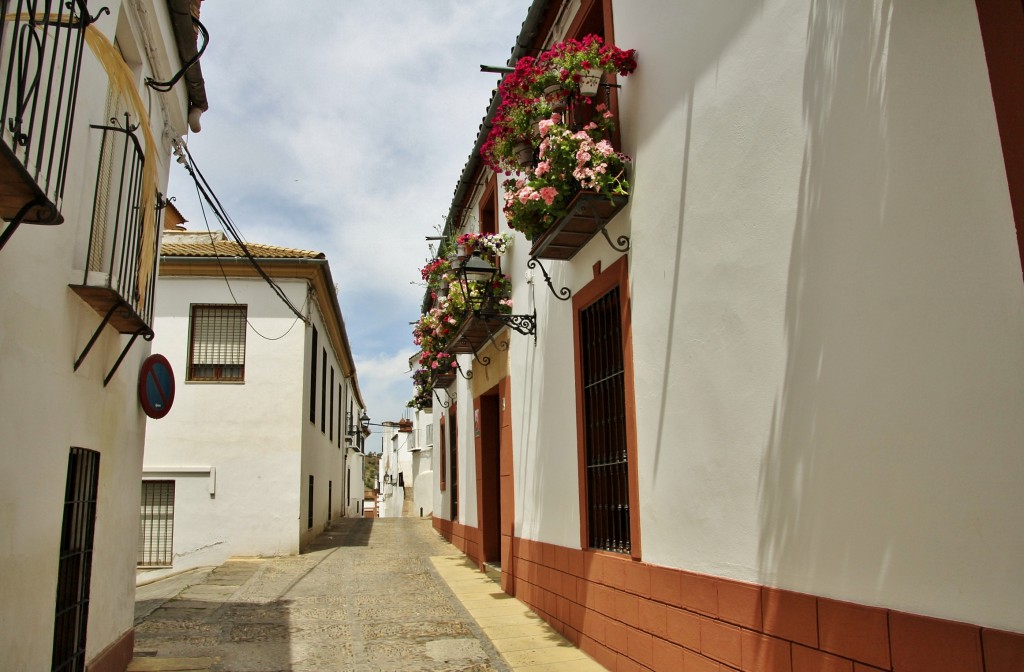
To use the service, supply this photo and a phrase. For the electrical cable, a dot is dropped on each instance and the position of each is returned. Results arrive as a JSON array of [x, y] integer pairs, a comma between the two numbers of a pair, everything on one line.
[[206, 193], [227, 282]]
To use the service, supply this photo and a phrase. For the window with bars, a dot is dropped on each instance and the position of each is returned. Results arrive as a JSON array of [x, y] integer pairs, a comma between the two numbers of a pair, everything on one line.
[[605, 446], [156, 525], [313, 348], [454, 484], [309, 507], [323, 393], [74, 573], [217, 343]]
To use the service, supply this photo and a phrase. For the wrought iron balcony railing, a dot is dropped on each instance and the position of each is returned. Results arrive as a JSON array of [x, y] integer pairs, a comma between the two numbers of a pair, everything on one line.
[[120, 266], [41, 47]]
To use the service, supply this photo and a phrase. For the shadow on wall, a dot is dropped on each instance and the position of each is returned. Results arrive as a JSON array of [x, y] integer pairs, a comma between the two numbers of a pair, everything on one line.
[[708, 26], [885, 384]]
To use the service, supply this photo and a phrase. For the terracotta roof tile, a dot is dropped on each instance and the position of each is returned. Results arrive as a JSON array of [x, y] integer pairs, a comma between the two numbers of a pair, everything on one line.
[[232, 249]]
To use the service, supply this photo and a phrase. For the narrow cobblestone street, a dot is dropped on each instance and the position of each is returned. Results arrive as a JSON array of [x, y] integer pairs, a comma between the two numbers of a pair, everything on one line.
[[367, 596]]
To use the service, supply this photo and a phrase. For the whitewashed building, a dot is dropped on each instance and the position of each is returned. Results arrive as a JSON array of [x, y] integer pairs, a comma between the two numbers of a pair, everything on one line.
[[423, 463], [801, 445], [88, 115], [262, 449]]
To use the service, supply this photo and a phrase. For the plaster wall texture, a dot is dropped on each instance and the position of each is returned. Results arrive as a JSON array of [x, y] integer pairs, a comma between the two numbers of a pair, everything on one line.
[[827, 303], [256, 434], [46, 408], [826, 311], [356, 486]]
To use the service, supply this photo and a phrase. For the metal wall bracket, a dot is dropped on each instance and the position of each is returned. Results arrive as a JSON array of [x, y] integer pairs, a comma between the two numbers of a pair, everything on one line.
[[146, 333], [563, 294], [623, 241], [451, 398], [468, 375]]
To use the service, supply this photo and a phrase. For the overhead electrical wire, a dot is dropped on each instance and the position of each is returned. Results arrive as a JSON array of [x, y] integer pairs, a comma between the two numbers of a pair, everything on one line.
[[206, 192]]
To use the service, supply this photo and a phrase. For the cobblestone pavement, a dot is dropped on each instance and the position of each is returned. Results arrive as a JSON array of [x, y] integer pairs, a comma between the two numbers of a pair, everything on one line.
[[365, 597]]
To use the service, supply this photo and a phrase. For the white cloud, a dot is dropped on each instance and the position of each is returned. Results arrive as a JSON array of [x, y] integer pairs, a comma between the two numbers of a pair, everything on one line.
[[344, 128]]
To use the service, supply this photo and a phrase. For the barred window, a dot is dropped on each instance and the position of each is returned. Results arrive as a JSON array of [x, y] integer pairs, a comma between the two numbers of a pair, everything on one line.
[[217, 343], [156, 525], [605, 424]]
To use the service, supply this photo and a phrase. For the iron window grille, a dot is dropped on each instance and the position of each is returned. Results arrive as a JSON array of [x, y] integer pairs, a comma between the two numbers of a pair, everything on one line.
[[309, 507], [217, 343], [74, 571], [156, 525], [313, 349], [604, 422]]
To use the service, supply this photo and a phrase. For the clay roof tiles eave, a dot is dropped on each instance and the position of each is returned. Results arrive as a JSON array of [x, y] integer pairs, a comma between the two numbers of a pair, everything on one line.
[[230, 249]]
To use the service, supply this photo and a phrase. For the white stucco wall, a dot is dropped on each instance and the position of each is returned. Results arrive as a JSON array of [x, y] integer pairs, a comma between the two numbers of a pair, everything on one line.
[[46, 408], [828, 388], [250, 432], [827, 311]]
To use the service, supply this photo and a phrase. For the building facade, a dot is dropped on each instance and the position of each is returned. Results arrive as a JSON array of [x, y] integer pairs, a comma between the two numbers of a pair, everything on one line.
[[262, 449], [771, 420], [89, 114]]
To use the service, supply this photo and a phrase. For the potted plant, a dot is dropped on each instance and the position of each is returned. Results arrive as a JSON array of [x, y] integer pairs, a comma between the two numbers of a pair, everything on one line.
[[569, 161], [579, 64]]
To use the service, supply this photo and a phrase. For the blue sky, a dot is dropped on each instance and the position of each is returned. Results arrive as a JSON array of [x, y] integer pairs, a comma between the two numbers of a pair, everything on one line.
[[344, 128]]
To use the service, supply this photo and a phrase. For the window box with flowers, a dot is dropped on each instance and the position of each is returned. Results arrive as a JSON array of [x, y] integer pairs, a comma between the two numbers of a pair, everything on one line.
[[449, 327], [576, 180]]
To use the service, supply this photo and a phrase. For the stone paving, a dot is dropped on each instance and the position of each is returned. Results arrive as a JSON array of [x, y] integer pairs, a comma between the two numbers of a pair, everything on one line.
[[367, 596]]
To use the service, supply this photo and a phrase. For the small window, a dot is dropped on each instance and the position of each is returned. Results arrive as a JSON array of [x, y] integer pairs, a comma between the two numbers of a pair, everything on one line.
[[156, 524], [330, 435], [606, 443], [217, 343], [323, 394], [489, 207], [313, 349], [309, 507]]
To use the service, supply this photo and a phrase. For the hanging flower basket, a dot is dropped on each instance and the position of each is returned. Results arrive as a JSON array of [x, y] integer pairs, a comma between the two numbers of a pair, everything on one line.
[[590, 82], [524, 154]]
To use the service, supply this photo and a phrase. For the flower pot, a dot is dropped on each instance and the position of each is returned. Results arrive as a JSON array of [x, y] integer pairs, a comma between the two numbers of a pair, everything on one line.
[[590, 82], [555, 94], [524, 154]]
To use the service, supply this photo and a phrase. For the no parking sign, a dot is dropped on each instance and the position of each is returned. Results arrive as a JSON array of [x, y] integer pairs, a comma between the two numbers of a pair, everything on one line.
[[156, 386]]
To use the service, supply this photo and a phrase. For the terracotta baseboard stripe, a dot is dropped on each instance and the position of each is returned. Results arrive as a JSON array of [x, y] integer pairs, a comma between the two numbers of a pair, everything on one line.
[[633, 615], [116, 657]]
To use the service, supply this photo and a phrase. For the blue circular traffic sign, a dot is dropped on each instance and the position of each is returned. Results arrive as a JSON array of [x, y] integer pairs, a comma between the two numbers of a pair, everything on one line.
[[156, 386]]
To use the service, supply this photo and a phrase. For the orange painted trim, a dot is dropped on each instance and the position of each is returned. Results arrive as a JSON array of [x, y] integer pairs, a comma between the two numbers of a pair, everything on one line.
[[616, 275], [116, 656], [487, 211], [1002, 32], [443, 440], [637, 616]]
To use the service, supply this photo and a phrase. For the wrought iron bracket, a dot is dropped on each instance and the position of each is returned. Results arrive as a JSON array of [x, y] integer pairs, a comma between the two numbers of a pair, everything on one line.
[[37, 202], [163, 87], [484, 361], [95, 335], [623, 241], [563, 294], [524, 324], [146, 333], [468, 375], [451, 398]]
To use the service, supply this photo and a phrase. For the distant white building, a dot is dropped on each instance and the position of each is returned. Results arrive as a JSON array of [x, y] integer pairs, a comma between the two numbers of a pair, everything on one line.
[[262, 448], [85, 148], [422, 463]]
